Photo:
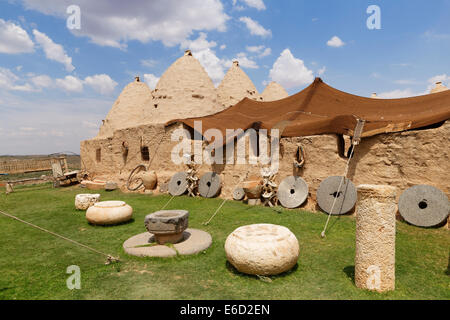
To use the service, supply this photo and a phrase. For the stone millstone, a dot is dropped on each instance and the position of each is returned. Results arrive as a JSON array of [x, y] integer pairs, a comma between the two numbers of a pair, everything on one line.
[[292, 192], [144, 245], [262, 249], [167, 225], [424, 206], [328, 192], [209, 185], [178, 184], [238, 194]]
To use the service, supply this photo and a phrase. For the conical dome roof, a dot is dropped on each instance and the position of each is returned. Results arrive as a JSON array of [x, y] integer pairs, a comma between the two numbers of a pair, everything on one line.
[[235, 86], [274, 91], [128, 109], [439, 88], [183, 91]]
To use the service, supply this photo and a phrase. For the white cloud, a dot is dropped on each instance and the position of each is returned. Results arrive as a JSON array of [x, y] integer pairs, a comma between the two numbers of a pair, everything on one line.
[[91, 125], [149, 63], [335, 42], [14, 39], [266, 52], [198, 44], [151, 80], [255, 28], [406, 82], [257, 4], [101, 83], [262, 51], [115, 22], [53, 51], [322, 70], [290, 72], [214, 66], [254, 49], [70, 84], [42, 81], [442, 78], [10, 81], [54, 130], [201, 50], [246, 62], [395, 94]]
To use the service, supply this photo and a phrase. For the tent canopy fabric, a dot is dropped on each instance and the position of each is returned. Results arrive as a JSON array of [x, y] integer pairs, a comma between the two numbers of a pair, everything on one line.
[[321, 109]]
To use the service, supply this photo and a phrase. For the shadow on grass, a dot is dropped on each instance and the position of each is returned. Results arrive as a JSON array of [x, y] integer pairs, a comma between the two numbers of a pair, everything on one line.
[[350, 272], [111, 225], [233, 270]]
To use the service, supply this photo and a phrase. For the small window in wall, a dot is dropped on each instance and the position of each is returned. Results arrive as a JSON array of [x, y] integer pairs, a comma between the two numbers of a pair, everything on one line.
[[145, 155], [98, 155]]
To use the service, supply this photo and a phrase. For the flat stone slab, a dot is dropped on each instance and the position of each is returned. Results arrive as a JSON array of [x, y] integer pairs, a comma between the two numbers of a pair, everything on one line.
[[144, 245]]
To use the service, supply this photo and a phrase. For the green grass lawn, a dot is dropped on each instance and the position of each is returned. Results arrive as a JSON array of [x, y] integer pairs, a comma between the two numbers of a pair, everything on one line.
[[33, 263]]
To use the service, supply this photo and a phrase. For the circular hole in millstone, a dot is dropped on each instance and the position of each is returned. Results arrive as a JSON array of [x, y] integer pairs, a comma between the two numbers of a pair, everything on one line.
[[178, 182], [208, 183], [292, 191], [336, 194], [423, 204]]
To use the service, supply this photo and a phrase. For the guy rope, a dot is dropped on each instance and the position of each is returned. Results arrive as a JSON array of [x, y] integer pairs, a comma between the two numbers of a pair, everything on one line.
[[355, 141], [109, 258]]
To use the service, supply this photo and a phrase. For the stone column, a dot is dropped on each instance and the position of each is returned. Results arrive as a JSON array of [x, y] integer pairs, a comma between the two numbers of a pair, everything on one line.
[[375, 238]]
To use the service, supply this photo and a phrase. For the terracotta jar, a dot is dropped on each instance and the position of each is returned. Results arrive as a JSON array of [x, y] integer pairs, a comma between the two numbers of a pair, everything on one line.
[[149, 179], [253, 187]]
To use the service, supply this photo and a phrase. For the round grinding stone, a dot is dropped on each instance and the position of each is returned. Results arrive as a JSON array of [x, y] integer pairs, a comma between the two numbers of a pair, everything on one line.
[[178, 184], [238, 194], [209, 185], [292, 192], [423, 206], [328, 191]]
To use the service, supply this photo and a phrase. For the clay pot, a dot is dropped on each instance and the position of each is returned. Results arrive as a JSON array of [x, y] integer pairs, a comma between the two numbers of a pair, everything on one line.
[[252, 188], [262, 249], [85, 200], [109, 212], [149, 179]]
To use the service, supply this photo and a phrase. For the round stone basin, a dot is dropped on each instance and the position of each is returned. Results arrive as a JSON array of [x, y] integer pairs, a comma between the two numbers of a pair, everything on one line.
[[167, 225], [109, 212]]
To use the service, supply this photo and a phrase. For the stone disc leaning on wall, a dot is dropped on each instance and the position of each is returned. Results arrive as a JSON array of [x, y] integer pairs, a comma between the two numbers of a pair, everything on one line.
[[238, 194], [178, 184], [292, 192], [423, 206], [328, 192], [209, 185]]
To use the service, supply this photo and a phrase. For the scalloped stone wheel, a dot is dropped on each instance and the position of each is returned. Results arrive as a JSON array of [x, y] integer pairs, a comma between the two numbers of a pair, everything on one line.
[[262, 249]]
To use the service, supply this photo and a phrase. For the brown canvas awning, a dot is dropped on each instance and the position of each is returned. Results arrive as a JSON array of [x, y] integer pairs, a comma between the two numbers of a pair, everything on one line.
[[321, 109]]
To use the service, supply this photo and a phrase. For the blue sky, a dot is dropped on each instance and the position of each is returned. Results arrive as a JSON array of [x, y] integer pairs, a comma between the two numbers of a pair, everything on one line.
[[56, 84]]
